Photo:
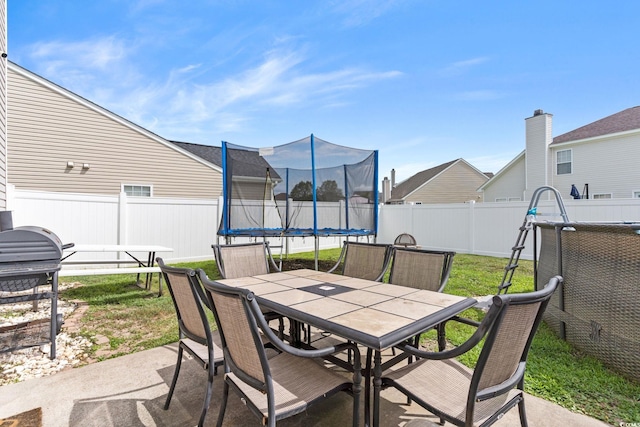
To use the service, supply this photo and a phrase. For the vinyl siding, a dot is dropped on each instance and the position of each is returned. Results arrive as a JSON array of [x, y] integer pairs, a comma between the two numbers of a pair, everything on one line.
[[538, 137], [47, 129], [3, 105], [510, 184], [457, 184], [607, 164]]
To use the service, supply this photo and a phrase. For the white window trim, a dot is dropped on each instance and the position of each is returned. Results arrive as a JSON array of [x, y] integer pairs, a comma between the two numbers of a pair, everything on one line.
[[137, 185], [635, 194], [501, 199], [571, 163], [515, 199]]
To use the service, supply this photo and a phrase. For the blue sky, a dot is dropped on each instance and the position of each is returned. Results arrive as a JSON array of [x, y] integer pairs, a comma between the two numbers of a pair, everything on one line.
[[424, 82]]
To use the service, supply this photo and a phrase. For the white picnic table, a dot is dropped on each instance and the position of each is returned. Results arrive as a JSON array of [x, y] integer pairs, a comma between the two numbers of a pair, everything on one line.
[[117, 264]]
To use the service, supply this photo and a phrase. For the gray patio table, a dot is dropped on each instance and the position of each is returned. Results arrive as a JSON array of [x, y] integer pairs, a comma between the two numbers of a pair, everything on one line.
[[373, 314]]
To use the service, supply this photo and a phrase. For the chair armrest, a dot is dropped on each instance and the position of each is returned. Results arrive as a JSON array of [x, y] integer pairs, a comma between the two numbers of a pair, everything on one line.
[[283, 346], [386, 266], [479, 333], [504, 386], [271, 260], [332, 269]]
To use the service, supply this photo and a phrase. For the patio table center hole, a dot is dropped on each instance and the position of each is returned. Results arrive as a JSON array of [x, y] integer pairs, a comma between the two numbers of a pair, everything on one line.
[[326, 289]]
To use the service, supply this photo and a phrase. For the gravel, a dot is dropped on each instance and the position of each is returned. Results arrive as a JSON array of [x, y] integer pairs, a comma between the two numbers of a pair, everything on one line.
[[34, 362]]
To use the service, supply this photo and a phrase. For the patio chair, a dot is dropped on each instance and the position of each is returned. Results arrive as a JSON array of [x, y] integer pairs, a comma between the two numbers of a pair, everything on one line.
[[243, 259], [363, 260], [483, 395], [285, 384], [247, 259], [196, 336], [422, 269]]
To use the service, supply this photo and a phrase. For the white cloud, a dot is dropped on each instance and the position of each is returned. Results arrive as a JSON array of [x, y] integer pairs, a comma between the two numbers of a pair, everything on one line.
[[110, 72], [461, 67], [360, 12]]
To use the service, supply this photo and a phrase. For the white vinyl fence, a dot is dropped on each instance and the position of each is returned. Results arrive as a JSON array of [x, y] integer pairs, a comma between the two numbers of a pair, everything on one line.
[[490, 228], [189, 225]]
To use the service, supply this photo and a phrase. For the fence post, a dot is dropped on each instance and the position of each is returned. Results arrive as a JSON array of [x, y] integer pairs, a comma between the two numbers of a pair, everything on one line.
[[472, 227], [10, 197], [122, 218]]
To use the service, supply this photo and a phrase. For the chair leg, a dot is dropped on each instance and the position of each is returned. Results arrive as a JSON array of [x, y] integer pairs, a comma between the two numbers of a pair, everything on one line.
[[281, 328], [223, 404], [367, 388], [357, 391], [207, 396], [175, 378], [416, 344], [442, 336], [523, 413]]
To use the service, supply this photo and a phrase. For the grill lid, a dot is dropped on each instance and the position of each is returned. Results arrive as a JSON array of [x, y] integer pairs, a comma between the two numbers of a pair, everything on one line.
[[29, 244]]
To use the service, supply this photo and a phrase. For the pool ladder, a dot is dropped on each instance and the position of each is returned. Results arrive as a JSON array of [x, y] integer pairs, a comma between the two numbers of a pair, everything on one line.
[[529, 219]]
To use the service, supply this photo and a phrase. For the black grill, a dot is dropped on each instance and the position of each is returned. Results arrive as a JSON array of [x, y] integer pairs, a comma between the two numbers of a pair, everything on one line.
[[30, 257]]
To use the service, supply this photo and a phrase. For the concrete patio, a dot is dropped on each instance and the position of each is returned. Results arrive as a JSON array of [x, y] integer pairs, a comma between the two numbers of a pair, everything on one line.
[[131, 390]]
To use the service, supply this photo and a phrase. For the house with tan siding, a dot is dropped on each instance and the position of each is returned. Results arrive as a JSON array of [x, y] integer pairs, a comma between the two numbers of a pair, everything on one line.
[[3, 104], [600, 159], [61, 142], [456, 181]]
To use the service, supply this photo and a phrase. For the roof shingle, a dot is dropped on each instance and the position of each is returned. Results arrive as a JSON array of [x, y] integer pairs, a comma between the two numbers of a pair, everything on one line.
[[409, 185], [625, 120]]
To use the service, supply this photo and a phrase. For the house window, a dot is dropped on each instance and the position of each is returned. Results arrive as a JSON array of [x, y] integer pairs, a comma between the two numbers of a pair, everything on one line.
[[563, 162], [501, 199], [515, 199], [636, 194], [602, 196], [137, 190]]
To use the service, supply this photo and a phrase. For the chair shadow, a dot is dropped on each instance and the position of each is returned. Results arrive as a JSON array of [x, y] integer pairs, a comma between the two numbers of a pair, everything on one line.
[[143, 406]]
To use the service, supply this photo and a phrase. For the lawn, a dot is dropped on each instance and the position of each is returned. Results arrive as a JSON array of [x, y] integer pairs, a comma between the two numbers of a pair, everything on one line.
[[133, 319]]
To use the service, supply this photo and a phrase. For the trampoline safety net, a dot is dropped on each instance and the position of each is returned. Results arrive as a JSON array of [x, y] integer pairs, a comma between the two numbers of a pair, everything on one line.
[[308, 187]]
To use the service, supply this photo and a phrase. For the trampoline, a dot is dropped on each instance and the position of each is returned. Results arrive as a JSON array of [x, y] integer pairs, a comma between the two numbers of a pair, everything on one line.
[[308, 187]]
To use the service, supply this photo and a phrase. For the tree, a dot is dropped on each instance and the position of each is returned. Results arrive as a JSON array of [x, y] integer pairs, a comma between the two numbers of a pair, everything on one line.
[[302, 191], [329, 192]]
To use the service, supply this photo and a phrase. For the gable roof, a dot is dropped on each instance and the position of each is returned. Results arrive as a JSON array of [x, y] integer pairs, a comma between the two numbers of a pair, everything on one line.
[[408, 186], [101, 110], [495, 177], [248, 163], [623, 121]]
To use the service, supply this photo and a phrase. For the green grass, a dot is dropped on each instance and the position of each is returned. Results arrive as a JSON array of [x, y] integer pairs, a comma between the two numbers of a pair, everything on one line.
[[134, 319]]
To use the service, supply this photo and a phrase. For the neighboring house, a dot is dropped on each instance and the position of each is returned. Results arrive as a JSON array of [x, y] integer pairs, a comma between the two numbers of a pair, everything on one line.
[[250, 171], [456, 181], [600, 159], [61, 142]]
